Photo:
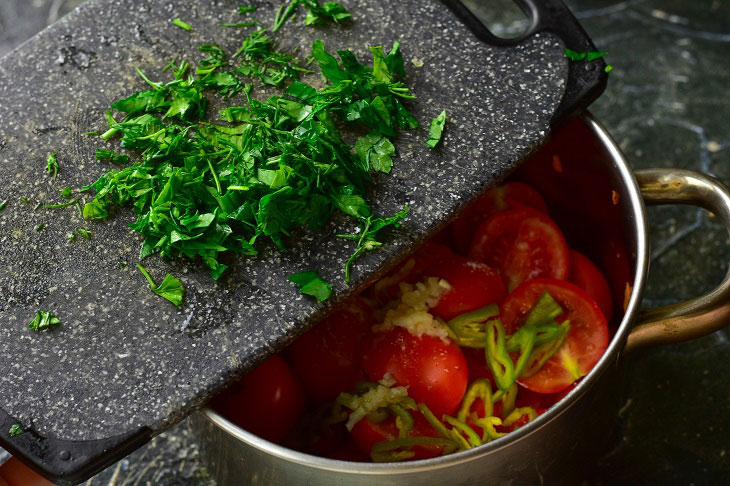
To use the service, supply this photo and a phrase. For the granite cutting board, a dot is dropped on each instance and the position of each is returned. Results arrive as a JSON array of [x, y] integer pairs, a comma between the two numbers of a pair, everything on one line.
[[125, 364]]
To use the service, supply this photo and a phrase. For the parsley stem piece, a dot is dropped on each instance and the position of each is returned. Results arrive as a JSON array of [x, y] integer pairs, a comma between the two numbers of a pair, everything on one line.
[[52, 165], [170, 289], [181, 24], [3, 204], [63, 205]]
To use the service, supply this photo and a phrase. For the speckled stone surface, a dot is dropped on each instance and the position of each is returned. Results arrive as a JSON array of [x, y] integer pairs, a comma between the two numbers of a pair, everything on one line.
[[667, 105], [124, 358]]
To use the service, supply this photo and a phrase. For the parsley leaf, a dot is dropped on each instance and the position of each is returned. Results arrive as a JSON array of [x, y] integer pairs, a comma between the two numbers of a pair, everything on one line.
[[312, 284], [3, 204], [436, 130], [170, 289], [368, 237], [43, 321], [111, 156], [15, 429], [52, 164], [84, 232], [376, 152]]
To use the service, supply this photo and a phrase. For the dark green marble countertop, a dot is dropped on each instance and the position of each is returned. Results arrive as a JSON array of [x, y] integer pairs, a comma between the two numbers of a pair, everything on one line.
[[667, 105]]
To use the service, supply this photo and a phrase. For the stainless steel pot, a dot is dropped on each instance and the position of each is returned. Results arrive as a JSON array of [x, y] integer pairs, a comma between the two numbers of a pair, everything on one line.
[[583, 174]]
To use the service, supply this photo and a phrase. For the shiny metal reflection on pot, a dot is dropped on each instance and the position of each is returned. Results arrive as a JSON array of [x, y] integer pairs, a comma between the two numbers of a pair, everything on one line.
[[595, 196]]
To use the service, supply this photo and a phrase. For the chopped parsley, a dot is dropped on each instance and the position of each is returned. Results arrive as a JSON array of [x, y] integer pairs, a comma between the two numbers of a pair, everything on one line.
[[15, 429], [43, 321], [3, 204], [39, 227], [263, 169], [579, 56], [244, 9], [52, 164], [182, 25], [436, 130], [312, 284], [84, 232], [111, 156], [170, 289], [368, 236]]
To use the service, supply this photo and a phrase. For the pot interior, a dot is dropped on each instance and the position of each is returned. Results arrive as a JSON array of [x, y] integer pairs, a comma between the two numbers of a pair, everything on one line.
[[593, 197]]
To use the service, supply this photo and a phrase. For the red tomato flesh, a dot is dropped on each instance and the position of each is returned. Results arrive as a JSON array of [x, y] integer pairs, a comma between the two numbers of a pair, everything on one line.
[[267, 402], [434, 371], [583, 347], [327, 357], [512, 195], [367, 434], [473, 285], [586, 275], [523, 244]]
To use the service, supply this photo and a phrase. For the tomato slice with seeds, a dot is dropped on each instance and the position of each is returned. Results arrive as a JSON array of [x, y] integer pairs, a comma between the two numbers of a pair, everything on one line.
[[512, 195], [523, 244], [585, 344], [434, 371], [586, 275], [473, 285], [327, 358]]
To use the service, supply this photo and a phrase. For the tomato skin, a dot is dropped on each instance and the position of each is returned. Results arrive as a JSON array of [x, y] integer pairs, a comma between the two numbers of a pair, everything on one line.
[[512, 195], [473, 285], [327, 358], [267, 401], [367, 434], [435, 372], [588, 337], [523, 244], [586, 275]]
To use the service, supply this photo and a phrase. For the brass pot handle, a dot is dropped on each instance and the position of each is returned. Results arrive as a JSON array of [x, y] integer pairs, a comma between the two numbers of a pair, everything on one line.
[[703, 315]]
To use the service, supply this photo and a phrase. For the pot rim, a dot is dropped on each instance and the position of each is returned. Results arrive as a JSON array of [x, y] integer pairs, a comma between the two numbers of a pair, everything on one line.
[[639, 226]]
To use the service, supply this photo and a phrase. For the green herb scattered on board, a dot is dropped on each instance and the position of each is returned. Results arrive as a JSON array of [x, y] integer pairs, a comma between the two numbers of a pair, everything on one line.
[[181, 24], [579, 56], [3, 204], [52, 164], [15, 429], [170, 289], [312, 284], [84, 232], [436, 130], [43, 321]]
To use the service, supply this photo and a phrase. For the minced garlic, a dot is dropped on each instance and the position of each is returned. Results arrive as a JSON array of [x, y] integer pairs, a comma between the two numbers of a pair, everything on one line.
[[412, 311]]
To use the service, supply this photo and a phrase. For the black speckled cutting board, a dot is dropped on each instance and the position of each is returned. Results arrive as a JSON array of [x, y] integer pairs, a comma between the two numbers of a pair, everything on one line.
[[125, 364]]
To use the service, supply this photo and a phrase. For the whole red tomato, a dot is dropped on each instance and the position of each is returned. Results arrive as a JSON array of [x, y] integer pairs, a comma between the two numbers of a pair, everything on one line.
[[267, 401], [327, 357]]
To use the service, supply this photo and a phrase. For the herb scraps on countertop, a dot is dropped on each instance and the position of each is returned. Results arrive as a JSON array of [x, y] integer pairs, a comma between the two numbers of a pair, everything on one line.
[[436, 130], [52, 164], [43, 321]]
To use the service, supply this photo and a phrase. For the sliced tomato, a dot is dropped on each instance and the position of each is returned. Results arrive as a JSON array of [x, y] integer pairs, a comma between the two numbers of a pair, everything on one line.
[[367, 434], [523, 244], [586, 275], [512, 195], [411, 269], [434, 371], [327, 358], [267, 401], [583, 347], [473, 285]]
